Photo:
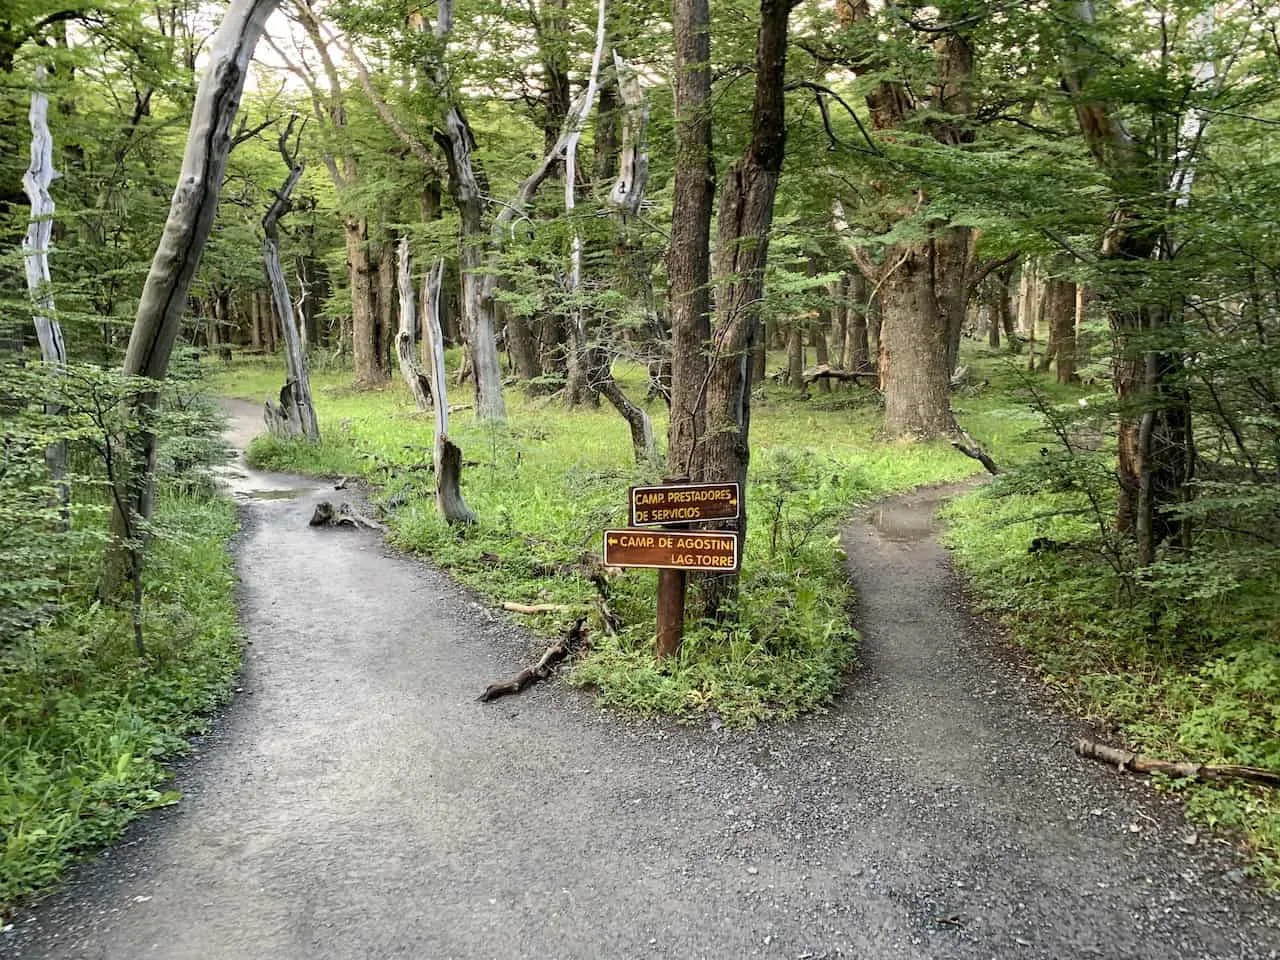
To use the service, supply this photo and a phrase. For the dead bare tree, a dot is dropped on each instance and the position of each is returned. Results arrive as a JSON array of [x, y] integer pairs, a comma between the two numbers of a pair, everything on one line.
[[164, 293], [35, 250], [296, 414]]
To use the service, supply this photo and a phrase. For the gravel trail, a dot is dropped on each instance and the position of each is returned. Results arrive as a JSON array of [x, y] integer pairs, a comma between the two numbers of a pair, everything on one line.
[[357, 802]]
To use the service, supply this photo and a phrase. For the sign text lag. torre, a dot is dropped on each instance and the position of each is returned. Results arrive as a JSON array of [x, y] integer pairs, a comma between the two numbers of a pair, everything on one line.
[[658, 538], [700, 550]]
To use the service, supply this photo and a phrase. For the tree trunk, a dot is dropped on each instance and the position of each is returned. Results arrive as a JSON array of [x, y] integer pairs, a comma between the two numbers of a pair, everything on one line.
[[580, 388], [688, 262], [795, 354], [914, 369], [1060, 308], [387, 312], [447, 458], [296, 415], [267, 314], [840, 322], [458, 143], [364, 309], [521, 342], [818, 331], [857, 348], [164, 294], [418, 382], [742, 248], [35, 249], [255, 323], [875, 328]]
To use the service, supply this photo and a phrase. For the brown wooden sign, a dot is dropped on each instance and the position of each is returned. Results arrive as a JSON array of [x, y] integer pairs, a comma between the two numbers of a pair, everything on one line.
[[705, 550], [684, 503]]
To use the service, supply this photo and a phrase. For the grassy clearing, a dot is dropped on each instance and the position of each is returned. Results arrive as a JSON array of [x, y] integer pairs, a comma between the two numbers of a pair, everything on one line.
[[85, 727], [548, 483]]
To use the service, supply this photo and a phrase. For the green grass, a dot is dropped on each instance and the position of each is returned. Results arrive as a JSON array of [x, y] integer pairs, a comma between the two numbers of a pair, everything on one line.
[[547, 484], [85, 727]]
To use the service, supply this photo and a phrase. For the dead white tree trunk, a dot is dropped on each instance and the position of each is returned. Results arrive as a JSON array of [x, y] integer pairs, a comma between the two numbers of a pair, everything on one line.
[[164, 294], [418, 382], [448, 458], [625, 198], [633, 163], [296, 414], [35, 250], [579, 388], [457, 141]]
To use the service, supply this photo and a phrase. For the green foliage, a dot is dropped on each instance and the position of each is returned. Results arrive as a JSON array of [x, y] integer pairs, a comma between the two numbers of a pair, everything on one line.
[[85, 727], [85, 720]]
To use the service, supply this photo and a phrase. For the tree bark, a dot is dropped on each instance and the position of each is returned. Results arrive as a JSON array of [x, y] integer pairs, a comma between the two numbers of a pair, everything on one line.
[[579, 388], [164, 294], [914, 354], [857, 348], [35, 249], [296, 415], [386, 299], [795, 354], [447, 456], [1155, 450], [458, 143], [419, 383], [742, 247], [688, 259], [1060, 307], [364, 309]]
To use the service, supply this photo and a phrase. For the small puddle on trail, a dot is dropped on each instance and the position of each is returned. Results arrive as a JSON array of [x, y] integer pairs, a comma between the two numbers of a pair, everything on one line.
[[905, 522]]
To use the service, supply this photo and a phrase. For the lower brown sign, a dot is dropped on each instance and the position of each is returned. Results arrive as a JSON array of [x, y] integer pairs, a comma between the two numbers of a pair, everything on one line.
[[706, 550]]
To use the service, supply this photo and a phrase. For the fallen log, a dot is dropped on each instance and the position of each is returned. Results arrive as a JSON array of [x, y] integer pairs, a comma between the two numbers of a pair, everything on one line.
[[1126, 760], [512, 607], [824, 372], [327, 515], [543, 668]]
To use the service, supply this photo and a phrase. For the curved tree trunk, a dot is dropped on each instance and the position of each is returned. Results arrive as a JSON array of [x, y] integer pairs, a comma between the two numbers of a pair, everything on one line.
[[164, 294], [580, 387], [296, 415]]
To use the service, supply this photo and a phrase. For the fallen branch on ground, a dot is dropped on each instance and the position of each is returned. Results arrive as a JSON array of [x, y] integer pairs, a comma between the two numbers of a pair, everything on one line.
[[824, 372], [1125, 760], [326, 515], [543, 668], [969, 447], [513, 607]]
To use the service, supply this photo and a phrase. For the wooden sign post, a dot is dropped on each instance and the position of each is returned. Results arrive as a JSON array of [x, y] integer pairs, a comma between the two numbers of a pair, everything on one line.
[[672, 550]]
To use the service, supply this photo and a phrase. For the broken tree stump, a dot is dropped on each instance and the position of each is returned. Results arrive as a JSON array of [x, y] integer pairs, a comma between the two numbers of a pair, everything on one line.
[[343, 515], [543, 668], [1126, 760]]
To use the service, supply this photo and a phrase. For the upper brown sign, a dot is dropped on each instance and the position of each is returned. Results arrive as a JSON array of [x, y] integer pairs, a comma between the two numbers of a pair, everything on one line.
[[684, 503], [707, 550]]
